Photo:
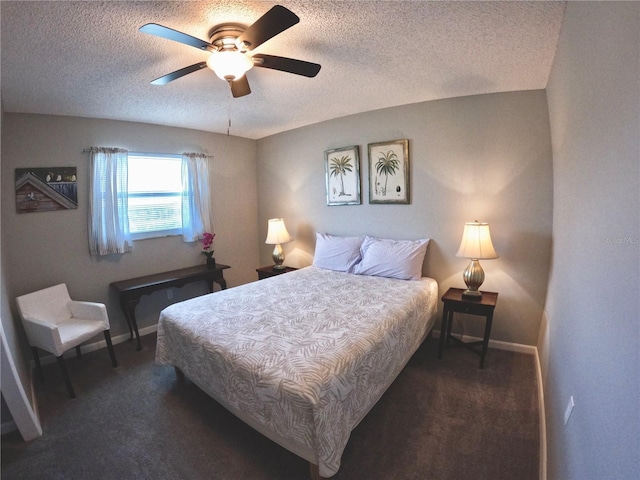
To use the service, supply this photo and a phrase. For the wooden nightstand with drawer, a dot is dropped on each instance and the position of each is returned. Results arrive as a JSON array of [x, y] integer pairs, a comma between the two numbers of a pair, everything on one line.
[[269, 271], [454, 302]]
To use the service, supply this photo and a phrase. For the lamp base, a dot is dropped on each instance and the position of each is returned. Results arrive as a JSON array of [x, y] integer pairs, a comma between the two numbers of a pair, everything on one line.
[[472, 295], [278, 257], [473, 277]]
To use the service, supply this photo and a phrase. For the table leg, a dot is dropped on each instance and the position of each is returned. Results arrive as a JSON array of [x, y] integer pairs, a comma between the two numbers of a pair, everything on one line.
[[485, 341], [449, 324], [129, 309], [219, 279], [443, 332], [123, 307], [135, 327]]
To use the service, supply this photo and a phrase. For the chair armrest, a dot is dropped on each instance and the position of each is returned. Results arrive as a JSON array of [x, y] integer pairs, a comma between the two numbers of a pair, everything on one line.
[[89, 311], [43, 334]]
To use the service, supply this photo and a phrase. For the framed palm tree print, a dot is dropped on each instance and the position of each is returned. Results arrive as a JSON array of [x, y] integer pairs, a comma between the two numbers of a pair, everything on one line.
[[342, 167], [389, 172]]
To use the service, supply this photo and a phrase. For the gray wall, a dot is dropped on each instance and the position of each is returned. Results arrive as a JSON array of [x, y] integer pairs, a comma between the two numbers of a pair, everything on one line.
[[591, 340], [483, 157], [44, 248]]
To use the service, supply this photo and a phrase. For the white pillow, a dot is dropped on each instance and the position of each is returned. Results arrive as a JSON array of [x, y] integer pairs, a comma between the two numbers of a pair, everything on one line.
[[392, 258], [337, 253]]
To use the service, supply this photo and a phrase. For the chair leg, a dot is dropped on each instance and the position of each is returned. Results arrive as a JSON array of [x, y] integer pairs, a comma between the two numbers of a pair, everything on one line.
[[112, 353], [78, 353], [65, 376], [36, 359]]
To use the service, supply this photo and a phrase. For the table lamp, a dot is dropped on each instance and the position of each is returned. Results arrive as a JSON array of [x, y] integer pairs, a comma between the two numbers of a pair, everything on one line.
[[476, 245], [276, 235]]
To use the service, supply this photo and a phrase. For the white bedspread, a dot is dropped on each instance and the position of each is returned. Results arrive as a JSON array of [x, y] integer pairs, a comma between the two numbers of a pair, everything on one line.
[[301, 357]]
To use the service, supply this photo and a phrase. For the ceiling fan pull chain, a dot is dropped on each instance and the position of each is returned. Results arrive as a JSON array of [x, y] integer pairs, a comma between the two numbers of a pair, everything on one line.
[[229, 114]]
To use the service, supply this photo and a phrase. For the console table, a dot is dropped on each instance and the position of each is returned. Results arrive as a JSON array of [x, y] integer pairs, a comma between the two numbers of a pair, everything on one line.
[[131, 290]]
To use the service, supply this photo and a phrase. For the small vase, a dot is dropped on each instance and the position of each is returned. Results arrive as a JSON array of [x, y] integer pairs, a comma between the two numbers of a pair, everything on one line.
[[211, 263]]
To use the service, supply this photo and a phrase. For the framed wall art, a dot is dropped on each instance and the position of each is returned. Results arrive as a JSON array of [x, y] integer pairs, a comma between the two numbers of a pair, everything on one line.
[[389, 172], [46, 189], [342, 168]]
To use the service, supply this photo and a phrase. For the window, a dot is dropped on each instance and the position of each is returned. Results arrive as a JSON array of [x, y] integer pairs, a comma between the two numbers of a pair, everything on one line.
[[155, 195], [137, 195]]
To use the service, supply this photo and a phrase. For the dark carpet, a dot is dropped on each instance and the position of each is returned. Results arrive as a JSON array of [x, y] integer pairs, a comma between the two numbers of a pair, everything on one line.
[[441, 419]]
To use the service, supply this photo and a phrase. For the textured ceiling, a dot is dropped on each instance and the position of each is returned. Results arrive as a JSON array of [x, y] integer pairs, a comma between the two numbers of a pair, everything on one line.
[[88, 59]]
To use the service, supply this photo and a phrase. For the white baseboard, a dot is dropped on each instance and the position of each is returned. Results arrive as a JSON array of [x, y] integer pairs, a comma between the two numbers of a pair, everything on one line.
[[530, 350], [90, 347], [543, 422], [498, 344]]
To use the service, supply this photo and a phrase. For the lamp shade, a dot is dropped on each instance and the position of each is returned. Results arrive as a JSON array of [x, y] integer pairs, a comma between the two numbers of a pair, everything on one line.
[[277, 232], [476, 242], [229, 65]]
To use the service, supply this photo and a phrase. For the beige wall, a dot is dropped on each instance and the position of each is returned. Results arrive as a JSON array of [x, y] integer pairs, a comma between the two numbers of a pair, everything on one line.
[[41, 249], [483, 157], [592, 336]]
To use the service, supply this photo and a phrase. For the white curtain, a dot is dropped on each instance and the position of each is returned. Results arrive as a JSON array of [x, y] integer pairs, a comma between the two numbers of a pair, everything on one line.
[[108, 202], [196, 213]]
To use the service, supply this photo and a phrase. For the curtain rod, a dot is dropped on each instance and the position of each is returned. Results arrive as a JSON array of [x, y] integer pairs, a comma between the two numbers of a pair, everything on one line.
[[91, 149]]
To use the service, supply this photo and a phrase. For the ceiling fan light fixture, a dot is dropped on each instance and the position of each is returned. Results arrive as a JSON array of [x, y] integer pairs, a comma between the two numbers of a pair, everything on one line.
[[229, 65], [229, 44]]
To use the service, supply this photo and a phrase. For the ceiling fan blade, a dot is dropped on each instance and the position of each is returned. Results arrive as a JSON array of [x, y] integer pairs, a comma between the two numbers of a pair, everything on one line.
[[240, 87], [170, 77], [275, 21], [176, 36], [290, 65]]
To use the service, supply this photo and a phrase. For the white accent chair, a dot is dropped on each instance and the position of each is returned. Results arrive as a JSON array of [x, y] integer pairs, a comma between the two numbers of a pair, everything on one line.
[[55, 323]]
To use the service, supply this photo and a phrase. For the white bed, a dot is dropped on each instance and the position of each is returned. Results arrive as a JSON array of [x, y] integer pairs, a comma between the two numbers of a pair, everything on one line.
[[300, 357]]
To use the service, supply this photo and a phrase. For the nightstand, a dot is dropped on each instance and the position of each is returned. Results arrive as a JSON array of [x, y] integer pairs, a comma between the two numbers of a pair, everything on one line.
[[268, 271], [453, 302]]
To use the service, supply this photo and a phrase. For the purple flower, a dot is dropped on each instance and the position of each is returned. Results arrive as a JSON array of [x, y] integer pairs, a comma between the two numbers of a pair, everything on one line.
[[207, 243]]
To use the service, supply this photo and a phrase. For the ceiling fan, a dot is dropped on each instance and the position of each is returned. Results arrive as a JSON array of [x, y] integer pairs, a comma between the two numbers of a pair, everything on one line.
[[229, 44]]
